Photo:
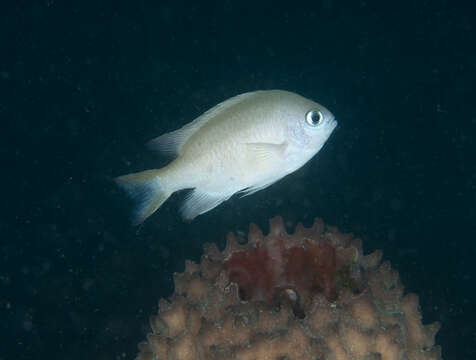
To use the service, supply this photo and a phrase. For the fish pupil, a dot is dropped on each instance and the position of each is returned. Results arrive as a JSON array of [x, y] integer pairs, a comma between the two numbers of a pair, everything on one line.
[[313, 117]]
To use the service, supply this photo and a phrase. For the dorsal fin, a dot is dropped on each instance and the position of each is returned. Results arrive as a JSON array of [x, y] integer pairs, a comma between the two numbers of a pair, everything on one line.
[[171, 143]]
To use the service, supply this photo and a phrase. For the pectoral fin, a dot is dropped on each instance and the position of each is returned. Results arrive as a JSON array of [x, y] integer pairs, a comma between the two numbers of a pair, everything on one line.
[[264, 154]]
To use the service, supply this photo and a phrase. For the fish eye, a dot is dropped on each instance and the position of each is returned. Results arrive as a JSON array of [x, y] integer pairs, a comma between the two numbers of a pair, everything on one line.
[[314, 117]]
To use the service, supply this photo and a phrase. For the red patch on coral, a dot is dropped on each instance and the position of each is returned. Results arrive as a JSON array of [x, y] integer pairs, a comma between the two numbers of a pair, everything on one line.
[[262, 271]]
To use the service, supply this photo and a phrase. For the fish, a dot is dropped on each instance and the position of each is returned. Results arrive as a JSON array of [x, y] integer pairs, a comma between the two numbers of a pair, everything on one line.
[[242, 145]]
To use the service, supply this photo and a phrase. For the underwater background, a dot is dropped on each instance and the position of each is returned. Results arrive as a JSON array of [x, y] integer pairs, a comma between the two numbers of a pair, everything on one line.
[[84, 84]]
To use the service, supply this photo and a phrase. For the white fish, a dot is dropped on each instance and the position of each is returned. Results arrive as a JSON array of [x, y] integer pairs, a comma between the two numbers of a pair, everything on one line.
[[243, 144]]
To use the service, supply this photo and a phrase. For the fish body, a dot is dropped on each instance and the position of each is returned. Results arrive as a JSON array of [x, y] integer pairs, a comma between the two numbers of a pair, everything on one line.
[[243, 144]]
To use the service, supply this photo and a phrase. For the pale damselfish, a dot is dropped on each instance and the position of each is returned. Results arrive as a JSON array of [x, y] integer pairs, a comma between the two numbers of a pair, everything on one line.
[[243, 144]]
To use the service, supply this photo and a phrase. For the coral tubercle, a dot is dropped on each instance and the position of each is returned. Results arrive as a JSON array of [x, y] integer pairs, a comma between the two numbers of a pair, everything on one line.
[[308, 295]]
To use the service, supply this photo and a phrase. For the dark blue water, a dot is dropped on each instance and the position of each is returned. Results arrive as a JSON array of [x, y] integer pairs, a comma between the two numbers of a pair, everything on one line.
[[85, 84]]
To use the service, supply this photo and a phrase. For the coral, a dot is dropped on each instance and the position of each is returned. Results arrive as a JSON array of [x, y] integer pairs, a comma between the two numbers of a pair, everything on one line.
[[309, 295]]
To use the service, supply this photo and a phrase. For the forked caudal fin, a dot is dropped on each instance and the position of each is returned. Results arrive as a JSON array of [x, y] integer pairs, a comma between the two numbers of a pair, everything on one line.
[[145, 189]]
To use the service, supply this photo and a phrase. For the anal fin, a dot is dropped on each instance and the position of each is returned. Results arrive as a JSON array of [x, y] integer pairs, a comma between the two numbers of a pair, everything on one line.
[[199, 202]]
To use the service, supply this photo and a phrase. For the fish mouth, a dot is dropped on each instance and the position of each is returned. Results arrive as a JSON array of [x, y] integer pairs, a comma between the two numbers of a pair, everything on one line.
[[336, 125], [333, 124]]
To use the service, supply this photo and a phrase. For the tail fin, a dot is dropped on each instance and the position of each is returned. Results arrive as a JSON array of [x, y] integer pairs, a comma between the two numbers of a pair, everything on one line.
[[145, 190]]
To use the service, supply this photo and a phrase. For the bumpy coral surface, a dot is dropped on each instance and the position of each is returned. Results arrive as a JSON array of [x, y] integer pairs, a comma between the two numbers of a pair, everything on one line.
[[309, 295]]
